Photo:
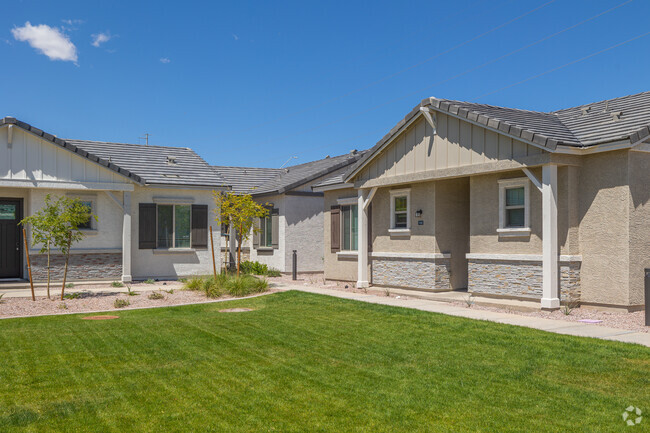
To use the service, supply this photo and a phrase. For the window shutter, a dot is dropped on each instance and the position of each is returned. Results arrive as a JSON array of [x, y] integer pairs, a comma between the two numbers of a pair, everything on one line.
[[200, 226], [275, 228], [370, 227], [335, 216], [147, 226], [256, 233]]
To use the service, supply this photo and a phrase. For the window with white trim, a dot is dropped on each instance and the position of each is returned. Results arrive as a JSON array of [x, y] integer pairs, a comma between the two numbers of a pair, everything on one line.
[[514, 206], [174, 226], [350, 228], [400, 206], [266, 231]]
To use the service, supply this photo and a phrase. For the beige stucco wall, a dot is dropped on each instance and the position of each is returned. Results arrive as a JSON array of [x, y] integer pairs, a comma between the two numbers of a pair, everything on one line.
[[422, 238], [604, 228], [336, 266], [639, 210], [452, 224]]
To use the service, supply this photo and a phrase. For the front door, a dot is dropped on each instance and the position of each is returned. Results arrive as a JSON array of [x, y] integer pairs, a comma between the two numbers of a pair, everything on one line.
[[10, 238]]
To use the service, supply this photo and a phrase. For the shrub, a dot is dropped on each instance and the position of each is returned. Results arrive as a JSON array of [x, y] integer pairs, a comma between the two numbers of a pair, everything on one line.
[[156, 295], [74, 295], [150, 281], [273, 273], [69, 285], [131, 292], [255, 268], [121, 303], [226, 283], [117, 284]]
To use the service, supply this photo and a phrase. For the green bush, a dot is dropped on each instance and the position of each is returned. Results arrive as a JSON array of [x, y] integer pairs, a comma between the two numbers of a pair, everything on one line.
[[227, 284], [117, 284], [121, 303], [257, 268], [156, 296]]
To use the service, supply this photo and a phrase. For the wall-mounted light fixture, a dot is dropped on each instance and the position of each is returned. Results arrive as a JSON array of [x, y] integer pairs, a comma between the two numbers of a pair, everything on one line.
[[418, 213]]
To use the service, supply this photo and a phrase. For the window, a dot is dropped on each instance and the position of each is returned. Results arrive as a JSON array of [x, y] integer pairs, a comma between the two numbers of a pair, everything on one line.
[[350, 229], [174, 226], [514, 205], [400, 218], [266, 231], [88, 224]]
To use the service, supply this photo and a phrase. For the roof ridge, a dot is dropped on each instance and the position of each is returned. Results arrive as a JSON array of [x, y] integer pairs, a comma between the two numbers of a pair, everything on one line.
[[492, 106], [127, 144], [599, 102]]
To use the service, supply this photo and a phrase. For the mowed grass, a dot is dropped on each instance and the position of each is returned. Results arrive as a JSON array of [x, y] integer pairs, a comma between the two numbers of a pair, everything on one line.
[[310, 363]]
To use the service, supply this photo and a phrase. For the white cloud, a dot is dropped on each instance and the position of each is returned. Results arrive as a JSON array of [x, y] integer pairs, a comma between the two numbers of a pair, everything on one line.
[[164, 60], [100, 38], [47, 40], [235, 37]]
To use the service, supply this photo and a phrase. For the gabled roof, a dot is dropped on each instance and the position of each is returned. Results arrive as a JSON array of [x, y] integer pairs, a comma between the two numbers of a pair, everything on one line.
[[153, 164], [265, 181], [70, 147], [246, 180], [624, 118], [142, 164]]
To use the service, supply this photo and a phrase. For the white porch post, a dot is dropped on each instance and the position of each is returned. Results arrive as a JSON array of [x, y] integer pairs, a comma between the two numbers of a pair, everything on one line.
[[550, 265], [362, 262], [126, 238]]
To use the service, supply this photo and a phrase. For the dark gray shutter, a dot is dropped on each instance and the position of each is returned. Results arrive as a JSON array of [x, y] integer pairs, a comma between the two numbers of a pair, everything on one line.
[[147, 226], [370, 227], [199, 226], [256, 233], [335, 217], [275, 227]]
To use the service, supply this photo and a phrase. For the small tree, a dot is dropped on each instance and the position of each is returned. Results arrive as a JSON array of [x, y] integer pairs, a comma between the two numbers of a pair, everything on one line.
[[239, 211], [57, 225]]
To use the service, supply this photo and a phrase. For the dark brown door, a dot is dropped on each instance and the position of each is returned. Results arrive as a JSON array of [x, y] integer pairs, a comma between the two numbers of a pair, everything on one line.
[[10, 238]]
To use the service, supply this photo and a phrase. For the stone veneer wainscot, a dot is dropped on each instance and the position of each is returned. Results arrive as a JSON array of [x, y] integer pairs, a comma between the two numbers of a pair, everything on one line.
[[422, 271], [520, 278], [82, 266]]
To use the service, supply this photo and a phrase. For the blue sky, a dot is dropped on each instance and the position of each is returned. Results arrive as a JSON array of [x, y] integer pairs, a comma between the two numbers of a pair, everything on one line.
[[256, 83]]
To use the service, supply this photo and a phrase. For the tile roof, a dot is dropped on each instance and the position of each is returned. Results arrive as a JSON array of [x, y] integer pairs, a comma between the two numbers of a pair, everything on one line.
[[624, 118], [246, 179], [153, 164], [260, 181]]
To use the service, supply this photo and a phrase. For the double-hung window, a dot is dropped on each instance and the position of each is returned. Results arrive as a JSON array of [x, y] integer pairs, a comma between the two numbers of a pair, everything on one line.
[[400, 218], [88, 224], [514, 207], [350, 227], [266, 231], [174, 226]]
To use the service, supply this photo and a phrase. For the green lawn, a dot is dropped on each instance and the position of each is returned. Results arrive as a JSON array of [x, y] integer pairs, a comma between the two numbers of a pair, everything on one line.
[[309, 363]]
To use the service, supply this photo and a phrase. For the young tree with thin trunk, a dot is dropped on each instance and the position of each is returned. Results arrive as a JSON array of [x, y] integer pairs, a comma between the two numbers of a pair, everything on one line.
[[239, 211], [56, 225]]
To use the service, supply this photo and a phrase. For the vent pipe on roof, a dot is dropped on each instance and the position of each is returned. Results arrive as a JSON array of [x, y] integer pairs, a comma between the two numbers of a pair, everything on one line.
[[585, 110], [353, 152]]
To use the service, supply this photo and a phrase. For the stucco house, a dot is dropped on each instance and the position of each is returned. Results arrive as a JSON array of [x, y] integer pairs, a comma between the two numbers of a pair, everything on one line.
[[154, 205], [295, 220], [546, 206]]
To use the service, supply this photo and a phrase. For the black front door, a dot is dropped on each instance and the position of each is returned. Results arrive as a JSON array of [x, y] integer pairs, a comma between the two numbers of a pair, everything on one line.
[[10, 238]]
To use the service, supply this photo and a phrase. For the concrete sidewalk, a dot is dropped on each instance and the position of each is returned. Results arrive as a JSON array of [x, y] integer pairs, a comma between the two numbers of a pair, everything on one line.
[[549, 325]]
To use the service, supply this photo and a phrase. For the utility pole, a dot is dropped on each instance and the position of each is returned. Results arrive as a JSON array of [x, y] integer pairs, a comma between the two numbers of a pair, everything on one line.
[[145, 138]]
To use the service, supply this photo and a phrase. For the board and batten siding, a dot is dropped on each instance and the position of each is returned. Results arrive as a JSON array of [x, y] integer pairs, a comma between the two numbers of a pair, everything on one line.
[[457, 143], [32, 158]]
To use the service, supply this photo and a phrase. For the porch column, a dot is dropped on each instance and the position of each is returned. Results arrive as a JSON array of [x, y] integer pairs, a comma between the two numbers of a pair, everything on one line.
[[550, 259], [126, 238], [362, 247]]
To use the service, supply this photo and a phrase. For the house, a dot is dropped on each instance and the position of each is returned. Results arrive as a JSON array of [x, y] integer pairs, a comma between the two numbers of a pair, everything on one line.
[[154, 205], [295, 220], [545, 206]]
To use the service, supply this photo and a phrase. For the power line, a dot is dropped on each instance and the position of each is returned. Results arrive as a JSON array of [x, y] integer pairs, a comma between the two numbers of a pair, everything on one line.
[[446, 80], [388, 77], [564, 66]]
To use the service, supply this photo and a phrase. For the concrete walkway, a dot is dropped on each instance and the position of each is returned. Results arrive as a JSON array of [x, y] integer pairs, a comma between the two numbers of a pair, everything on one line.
[[549, 325]]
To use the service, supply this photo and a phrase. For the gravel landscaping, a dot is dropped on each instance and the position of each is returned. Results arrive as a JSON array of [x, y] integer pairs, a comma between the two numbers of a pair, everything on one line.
[[103, 297]]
